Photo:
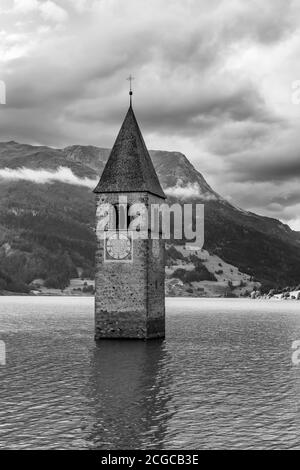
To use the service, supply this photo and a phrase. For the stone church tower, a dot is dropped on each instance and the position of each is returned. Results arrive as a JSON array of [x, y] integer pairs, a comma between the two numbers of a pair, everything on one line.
[[130, 272]]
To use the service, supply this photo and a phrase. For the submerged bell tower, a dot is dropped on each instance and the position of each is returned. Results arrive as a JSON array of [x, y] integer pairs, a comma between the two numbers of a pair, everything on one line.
[[130, 271]]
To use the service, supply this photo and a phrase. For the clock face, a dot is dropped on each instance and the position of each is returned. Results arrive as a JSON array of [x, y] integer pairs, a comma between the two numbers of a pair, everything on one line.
[[118, 247]]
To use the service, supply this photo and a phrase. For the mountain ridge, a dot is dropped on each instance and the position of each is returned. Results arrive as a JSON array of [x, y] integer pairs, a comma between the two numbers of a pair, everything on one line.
[[261, 247]]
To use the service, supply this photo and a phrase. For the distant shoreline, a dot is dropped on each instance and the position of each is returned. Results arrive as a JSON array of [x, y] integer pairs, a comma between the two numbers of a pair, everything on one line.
[[86, 295], [21, 294]]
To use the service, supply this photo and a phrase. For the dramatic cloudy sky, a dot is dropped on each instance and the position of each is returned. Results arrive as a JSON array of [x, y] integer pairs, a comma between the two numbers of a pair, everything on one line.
[[214, 79]]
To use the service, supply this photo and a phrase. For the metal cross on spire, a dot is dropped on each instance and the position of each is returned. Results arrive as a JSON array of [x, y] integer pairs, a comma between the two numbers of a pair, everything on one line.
[[130, 79]]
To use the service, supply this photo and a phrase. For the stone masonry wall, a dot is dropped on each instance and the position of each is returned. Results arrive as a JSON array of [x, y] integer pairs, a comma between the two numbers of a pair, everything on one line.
[[129, 298], [156, 283]]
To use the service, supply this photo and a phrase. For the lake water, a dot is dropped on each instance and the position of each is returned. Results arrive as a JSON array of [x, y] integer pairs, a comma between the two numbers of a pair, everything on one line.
[[223, 378]]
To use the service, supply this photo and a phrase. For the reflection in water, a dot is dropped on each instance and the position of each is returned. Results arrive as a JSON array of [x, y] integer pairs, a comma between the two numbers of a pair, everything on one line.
[[223, 378], [126, 381]]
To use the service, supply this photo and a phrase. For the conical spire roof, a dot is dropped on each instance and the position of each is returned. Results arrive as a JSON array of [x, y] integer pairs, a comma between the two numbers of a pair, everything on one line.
[[129, 166]]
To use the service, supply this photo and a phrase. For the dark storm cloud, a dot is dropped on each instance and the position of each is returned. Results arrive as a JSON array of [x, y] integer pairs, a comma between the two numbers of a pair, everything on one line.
[[199, 66], [280, 170], [277, 160], [261, 21], [191, 112], [65, 69]]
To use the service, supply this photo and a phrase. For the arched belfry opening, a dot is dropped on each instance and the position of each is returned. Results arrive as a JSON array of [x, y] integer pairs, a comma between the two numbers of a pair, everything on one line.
[[122, 216]]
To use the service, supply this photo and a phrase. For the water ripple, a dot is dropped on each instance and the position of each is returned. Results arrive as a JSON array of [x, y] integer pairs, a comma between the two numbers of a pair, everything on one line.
[[222, 379]]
